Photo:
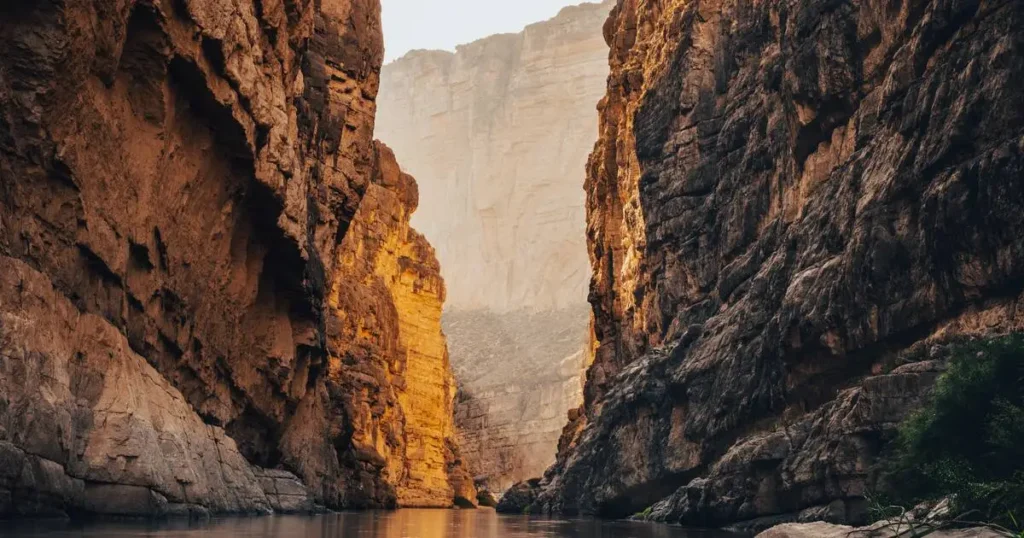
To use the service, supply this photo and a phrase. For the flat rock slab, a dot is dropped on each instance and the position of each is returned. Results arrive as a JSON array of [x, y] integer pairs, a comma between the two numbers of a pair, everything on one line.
[[827, 530]]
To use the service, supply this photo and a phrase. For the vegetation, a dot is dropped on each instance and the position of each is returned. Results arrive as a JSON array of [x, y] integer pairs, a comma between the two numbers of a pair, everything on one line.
[[644, 513], [968, 444]]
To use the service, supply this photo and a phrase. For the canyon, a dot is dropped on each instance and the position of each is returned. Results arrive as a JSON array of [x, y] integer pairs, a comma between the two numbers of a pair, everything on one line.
[[211, 298], [498, 133], [792, 210], [214, 298]]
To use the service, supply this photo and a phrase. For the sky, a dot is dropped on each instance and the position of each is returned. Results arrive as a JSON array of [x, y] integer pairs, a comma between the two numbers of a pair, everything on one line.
[[443, 24]]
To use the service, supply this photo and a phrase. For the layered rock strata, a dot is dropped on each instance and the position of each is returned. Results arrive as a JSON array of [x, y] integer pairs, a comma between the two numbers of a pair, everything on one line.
[[390, 354], [497, 134], [785, 197], [179, 185], [519, 375], [88, 424]]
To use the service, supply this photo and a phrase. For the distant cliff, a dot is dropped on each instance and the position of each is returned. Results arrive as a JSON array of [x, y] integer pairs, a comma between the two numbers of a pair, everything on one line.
[[211, 299], [498, 135], [791, 206]]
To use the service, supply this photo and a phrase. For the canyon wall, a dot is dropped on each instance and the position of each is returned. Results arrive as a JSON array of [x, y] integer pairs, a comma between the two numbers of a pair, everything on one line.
[[211, 297], [498, 135], [390, 352], [792, 206]]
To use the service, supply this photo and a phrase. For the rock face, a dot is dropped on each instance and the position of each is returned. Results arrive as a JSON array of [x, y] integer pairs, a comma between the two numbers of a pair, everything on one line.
[[520, 373], [786, 196], [182, 191], [498, 133], [519, 497], [285, 492], [819, 463], [389, 352]]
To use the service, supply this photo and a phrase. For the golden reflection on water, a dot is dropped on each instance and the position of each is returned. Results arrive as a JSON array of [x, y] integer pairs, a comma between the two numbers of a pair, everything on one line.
[[407, 523]]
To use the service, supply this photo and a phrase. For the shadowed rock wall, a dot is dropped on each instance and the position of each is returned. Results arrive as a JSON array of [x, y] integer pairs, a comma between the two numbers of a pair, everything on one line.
[[786, 198]]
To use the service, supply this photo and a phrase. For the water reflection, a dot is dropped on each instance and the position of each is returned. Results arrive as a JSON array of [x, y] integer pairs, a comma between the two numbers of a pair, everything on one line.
[[398, 524]]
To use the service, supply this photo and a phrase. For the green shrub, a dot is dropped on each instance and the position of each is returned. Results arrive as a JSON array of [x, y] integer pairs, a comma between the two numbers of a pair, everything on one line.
[[969, 441]]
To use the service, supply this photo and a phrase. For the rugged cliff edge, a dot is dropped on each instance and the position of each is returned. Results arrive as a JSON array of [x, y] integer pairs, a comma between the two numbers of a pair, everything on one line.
[[209, 281], [389, 354], [498, 134], [787, 198]]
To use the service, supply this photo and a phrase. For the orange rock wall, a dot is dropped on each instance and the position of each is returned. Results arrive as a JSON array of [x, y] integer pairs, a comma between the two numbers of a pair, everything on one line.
[[187, 171], [387, 299]]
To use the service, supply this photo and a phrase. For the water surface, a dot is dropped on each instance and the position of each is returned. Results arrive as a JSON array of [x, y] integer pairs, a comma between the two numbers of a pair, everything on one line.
[[398, 524]]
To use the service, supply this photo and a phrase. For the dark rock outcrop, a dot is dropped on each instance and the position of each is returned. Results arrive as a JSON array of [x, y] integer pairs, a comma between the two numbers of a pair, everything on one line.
[[519, 498], [785, 197], [486, 498], [817, 468], [179, 179]]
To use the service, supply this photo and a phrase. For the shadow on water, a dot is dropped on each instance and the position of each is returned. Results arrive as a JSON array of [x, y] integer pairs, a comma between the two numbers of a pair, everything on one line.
[[398, 524]]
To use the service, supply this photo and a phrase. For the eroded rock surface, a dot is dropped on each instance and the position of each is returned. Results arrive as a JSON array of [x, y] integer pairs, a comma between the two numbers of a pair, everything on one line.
[[87, 424], [186, 173], [389, 353], [816, 468], [497, 133], [285, 492], [519, 375], [785, 197]]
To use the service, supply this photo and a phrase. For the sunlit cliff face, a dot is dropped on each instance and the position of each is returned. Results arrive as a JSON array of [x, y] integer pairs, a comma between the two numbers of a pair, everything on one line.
[[388, 300]]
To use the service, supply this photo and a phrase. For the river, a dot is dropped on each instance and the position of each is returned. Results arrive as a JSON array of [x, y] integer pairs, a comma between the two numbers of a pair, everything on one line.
[[407, 523]]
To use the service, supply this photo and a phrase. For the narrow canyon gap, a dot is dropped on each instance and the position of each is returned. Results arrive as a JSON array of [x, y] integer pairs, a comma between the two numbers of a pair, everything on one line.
[[498, 134]]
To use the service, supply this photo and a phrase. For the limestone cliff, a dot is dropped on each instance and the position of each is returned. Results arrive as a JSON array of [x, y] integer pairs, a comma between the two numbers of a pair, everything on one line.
[[178, 184], [787, 199], [519, 375], [498, 133]]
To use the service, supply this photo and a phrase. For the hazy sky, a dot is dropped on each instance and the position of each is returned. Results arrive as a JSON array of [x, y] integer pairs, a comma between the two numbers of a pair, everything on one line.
[[442, 24]]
